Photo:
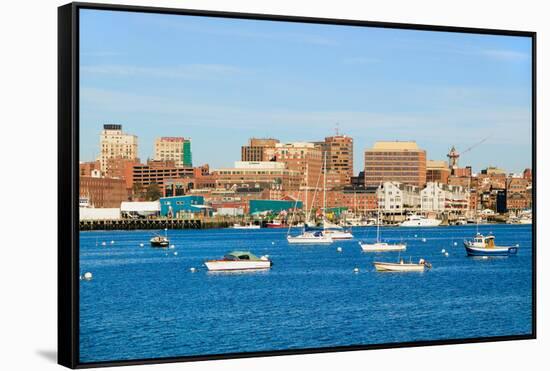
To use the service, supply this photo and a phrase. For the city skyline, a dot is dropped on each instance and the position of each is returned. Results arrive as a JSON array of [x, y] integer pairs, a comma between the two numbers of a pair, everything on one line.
[[239, 79]]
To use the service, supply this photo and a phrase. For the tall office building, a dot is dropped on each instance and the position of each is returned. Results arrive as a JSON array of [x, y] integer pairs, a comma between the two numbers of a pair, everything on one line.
[[114, 143], [177, 149], [339, 149], [258, 149], [396, 161]]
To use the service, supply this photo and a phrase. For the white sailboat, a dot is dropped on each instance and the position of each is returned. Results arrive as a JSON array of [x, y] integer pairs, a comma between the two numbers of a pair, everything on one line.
[[310, 237], [378, 245]]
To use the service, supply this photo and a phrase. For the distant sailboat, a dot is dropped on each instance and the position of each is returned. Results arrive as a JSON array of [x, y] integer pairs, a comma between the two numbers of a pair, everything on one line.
[[378, 245]]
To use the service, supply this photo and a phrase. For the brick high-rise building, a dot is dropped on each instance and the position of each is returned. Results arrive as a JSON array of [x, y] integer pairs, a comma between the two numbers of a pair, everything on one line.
[[339, 149], [400, 162], [158, 172], [258, 149], [114, 143], [304, 158], [177, 149]]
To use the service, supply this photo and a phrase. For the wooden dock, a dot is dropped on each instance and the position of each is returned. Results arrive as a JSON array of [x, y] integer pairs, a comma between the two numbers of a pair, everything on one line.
[[158, 224]]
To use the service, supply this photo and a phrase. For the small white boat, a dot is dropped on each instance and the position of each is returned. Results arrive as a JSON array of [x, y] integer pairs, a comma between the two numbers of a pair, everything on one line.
[[239, 261], [420, 221], [160, 241], [382, 246], [336, 232], [246, 226], [402, 266], [312, 238]]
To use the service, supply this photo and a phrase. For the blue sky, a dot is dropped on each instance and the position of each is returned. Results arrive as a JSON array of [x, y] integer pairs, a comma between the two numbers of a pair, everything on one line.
[[221, 81]]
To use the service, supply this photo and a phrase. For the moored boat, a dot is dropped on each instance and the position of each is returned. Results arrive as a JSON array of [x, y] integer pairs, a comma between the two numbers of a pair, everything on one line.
[[312, 238], [420, 221], [382, 246], [246, 226], [401, 266], [275, 224], [160, 241], [485, 246], [239, 261], [378, 245]]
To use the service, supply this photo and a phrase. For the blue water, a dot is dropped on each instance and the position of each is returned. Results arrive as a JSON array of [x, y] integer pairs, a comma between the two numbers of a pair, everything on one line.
[[146, 303]]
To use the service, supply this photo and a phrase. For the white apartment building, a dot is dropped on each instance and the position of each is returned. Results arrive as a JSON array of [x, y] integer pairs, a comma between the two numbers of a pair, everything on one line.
[[439, 197], [398, 197], [113, 143]]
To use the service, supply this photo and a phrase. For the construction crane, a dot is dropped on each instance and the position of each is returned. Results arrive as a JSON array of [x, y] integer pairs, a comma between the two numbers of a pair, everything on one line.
[[453, 154]]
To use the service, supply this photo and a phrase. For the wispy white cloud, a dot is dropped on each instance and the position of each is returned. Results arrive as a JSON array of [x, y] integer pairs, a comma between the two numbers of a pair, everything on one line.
[[506, 55], [190, 71]]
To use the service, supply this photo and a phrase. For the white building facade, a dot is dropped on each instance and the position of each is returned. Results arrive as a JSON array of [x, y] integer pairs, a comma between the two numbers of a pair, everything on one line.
[[395, 197], [113, 143], [437, 197]]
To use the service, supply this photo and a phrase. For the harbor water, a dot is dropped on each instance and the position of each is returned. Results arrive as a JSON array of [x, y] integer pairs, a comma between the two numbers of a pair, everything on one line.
[[148, 303]]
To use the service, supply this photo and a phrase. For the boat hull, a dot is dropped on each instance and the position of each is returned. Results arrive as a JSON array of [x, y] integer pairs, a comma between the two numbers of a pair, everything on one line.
[[381, 247], [309, 240], [421, 223], [246, 227], [397, 267], [338, 235], [493, 251], [223, 265]]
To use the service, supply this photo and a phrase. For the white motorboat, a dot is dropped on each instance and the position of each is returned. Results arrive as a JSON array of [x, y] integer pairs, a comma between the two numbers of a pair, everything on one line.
[[420, 221], [239, 261], [336, 232], [401, 266], [316, 237], [246, 226]]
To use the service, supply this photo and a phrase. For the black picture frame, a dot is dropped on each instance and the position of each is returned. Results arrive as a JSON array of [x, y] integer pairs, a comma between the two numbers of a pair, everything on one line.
[[68, 180]]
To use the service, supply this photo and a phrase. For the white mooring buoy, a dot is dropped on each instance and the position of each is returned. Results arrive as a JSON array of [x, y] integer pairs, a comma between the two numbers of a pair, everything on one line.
[[104, 243], [339, 249], [356, 270], [172, 246], [443, 251], [193, 269], [415, 235], [112, 242], [175, 253], [273, 243], [447, 254], [454, 243], [87, 276], [141, 245], [423, 240]]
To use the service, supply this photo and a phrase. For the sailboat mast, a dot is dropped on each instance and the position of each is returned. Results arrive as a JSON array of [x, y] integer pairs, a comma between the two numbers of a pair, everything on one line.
[[378, 216], [324, 188], [306, 205]]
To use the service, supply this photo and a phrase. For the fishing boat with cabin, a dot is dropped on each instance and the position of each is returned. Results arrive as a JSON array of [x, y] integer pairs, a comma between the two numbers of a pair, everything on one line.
[[485, 246]]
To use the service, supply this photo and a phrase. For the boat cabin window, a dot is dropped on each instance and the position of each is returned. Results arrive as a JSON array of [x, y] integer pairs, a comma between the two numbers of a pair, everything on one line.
[[244, 257]]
